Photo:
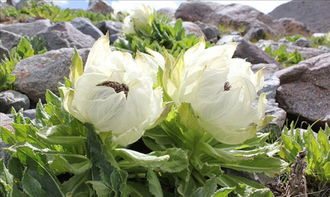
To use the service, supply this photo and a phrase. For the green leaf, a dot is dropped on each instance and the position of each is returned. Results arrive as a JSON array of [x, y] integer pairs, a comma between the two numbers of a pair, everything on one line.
[[24, 48], [6, 179], [134, 158], [76, 185], [208, 189], [102, 169], [60, 134], [31, 186], [255, 192], [265, 164], [72, 163], [223, 192], [154, 184], [243, 186], [178, 160], [101, 189]]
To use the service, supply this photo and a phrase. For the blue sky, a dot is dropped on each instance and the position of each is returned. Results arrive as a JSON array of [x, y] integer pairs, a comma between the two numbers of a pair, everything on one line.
[[263, 6]]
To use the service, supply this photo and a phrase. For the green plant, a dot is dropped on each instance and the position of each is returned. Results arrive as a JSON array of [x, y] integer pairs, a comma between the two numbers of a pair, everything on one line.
[[317, 146], [53, 13], [320, 41], [25, 48], [283, 56], [225, 29], [161, 36], [293, 38]]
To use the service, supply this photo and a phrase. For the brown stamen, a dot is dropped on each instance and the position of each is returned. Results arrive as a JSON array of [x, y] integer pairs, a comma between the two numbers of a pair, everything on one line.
[[118, 87], [226, 86]]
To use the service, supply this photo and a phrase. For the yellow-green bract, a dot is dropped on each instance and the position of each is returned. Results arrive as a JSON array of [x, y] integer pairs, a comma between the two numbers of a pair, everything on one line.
[[222, 91], [114, 92]]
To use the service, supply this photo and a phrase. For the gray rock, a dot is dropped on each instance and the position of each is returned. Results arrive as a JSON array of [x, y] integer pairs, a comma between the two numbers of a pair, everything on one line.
[[256, 32], [252, 53], [36, 74], [232, 15], [114, 37], [279, 114], [229, 38], [314, 13], [100, 6], [30, 113], [86, 27], [24, 3], [12, 98], [304, 89], [5, 121], [9, 39], [191, 28], [27, 29], [211, 32], [271, 83], [170, 12], [293, 27], [65, 35], [304, 51], [112, 27], [302, 42]]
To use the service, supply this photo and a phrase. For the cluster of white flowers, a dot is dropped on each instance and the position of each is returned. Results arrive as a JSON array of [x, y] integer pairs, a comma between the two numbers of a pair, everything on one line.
[[116, 91]]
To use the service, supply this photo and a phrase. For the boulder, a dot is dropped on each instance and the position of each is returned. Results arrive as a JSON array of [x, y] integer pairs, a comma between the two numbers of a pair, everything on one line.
[[191, 28], [24, 3], [112, 27], [85, 26], [256, 32], [30, 113], [211, 32], [170, 12], [100, 6], [230, 38], [12, 98], [290, 47], [313, 13], [36, 74], [65, 35], [304, 90], [252, 53], [27, 29], [271, 84], [302, 42], [232, 15], [9, 39], [294, 27], [6, 122]]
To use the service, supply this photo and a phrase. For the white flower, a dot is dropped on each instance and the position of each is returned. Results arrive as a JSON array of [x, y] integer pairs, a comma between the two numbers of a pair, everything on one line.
[[138, 19], [221, 90], [114, 94]]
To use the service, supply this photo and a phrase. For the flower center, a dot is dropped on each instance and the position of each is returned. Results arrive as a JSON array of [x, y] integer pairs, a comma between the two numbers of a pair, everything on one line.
[[226, 86], [118, 87]]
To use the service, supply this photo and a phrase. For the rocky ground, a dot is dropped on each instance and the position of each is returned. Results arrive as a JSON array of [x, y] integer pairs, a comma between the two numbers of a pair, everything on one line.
[[299, 92]]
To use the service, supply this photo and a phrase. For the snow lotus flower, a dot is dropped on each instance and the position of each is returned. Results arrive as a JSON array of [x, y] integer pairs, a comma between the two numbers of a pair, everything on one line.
[[221, 90], [114, 93], [138, 19]]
